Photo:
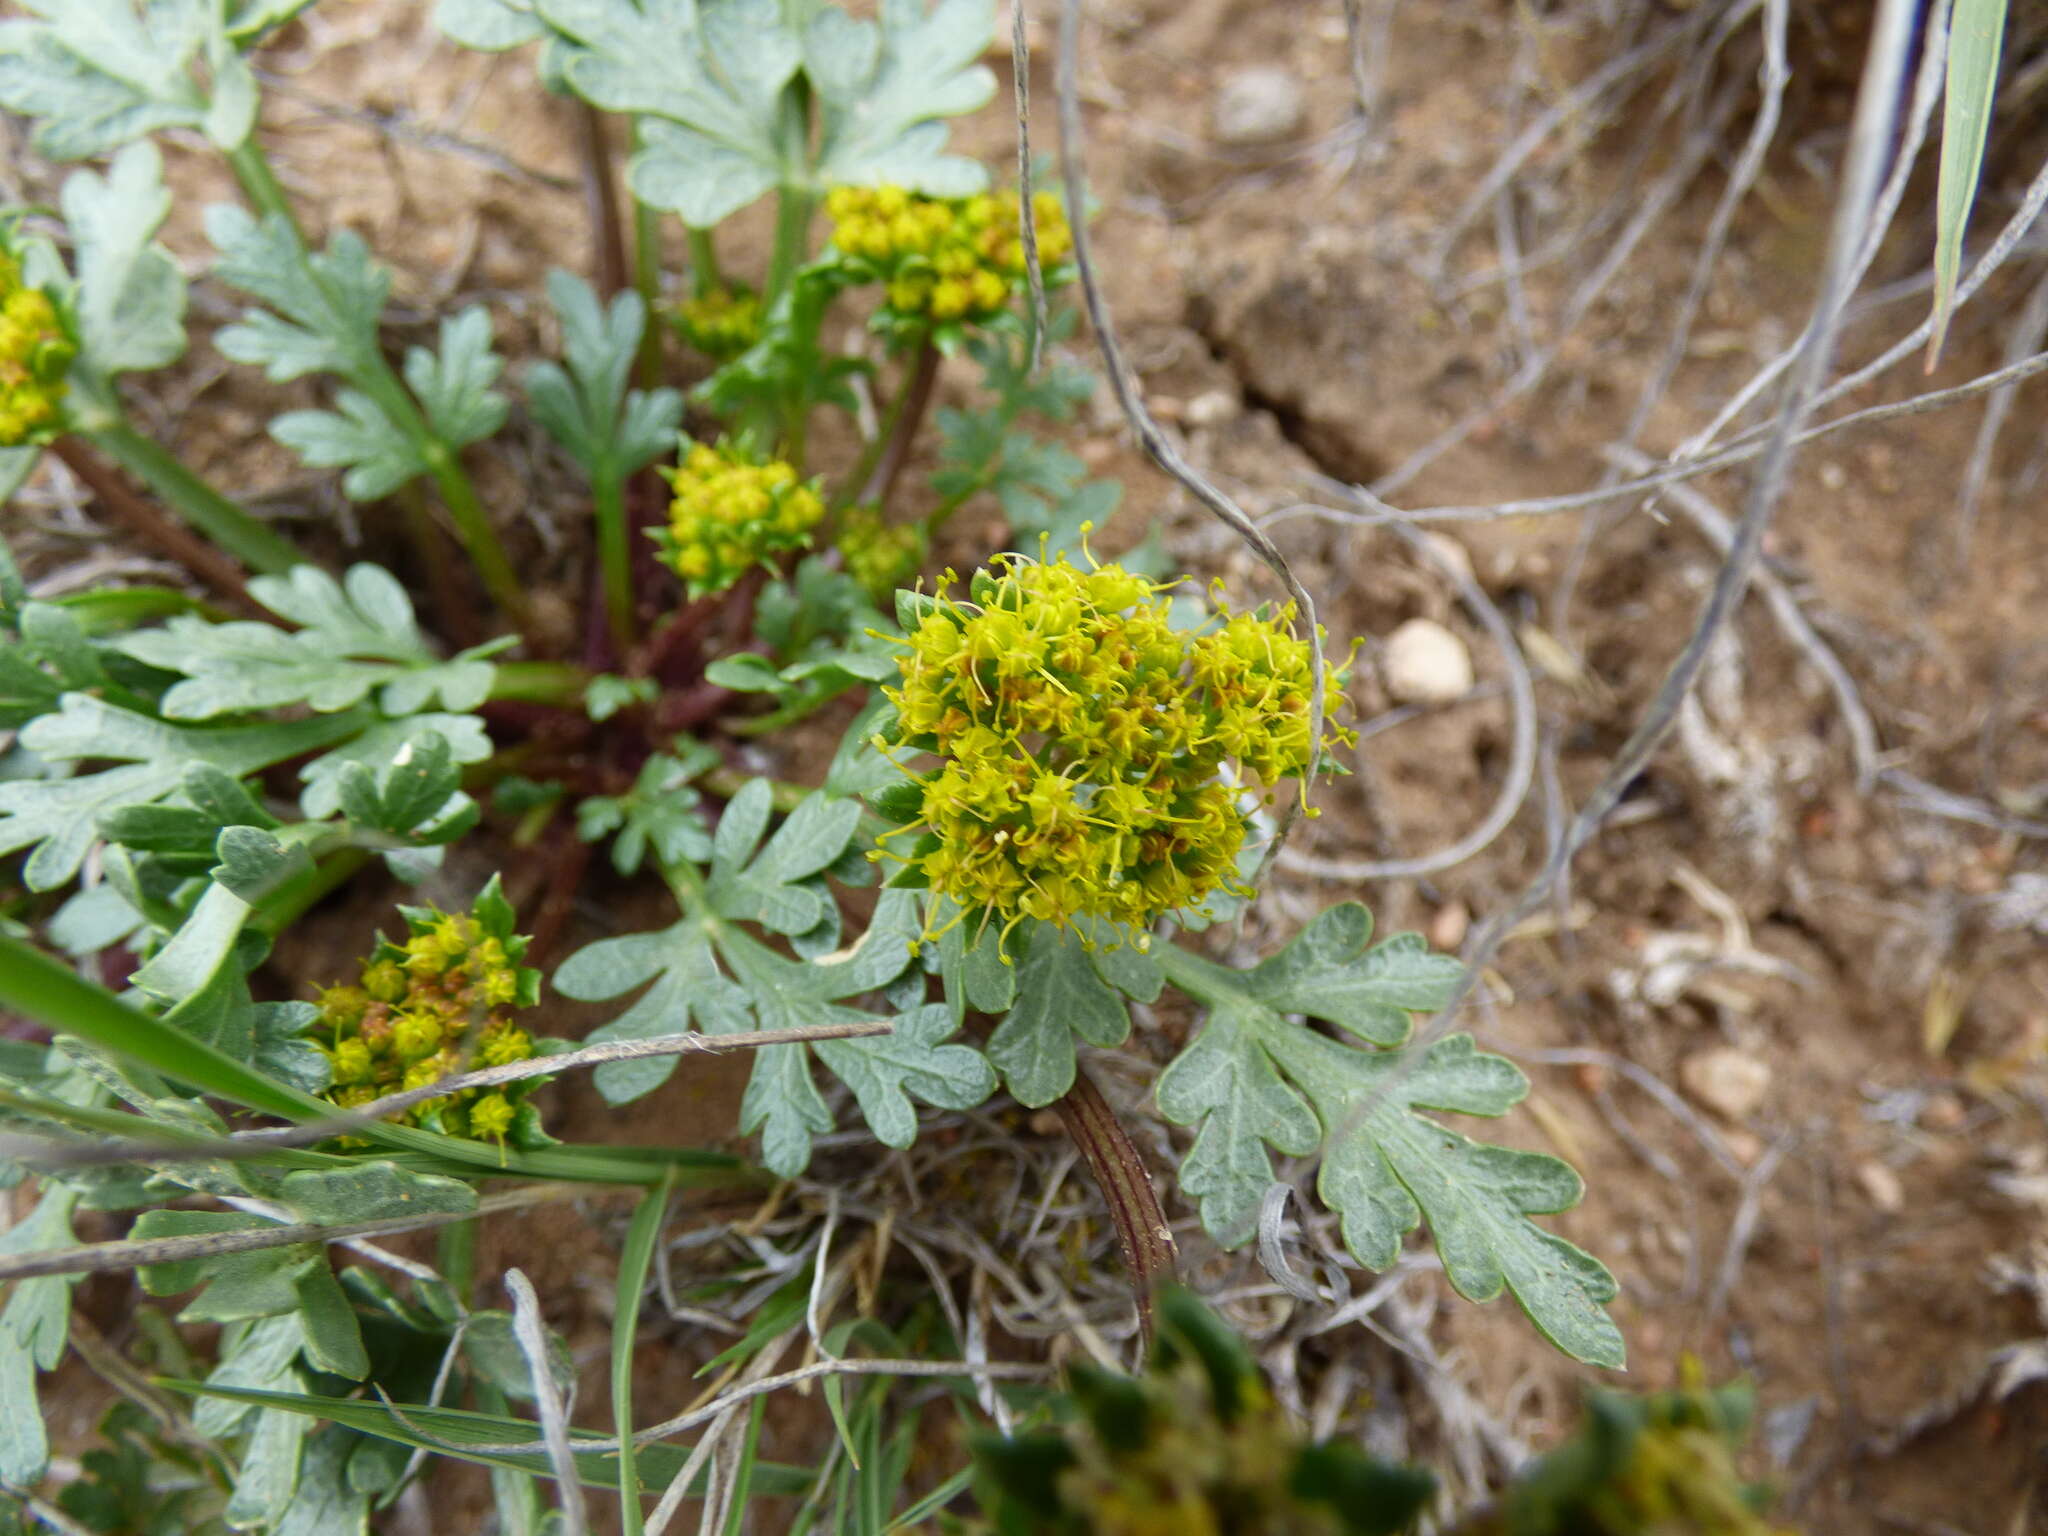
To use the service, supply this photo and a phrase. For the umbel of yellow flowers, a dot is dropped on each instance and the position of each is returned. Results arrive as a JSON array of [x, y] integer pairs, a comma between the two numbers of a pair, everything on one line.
[[954, 258], [1093, 758], [35, 353], [732, 511], [440, 1003]]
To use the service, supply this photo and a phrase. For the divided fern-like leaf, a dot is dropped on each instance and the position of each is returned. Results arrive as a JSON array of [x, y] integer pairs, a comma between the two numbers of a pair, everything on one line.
[[1253, 1078]]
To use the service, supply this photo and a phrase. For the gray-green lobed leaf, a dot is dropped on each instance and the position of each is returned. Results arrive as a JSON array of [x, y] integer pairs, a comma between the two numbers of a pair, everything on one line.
[[33, 1328], [777, 887], [358, 635], [131, 295], [1253, 1078], [98, 74], [687, 985], [609, 430], [1059, 995], [59, 817]]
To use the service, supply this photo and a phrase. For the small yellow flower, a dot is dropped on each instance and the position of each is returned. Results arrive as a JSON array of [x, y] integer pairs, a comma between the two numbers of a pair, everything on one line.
[[490, 1117], [721, 323], [36, 350], [880, 555], [431, 1007], [947, 259], [1090, 755], [732, 512]]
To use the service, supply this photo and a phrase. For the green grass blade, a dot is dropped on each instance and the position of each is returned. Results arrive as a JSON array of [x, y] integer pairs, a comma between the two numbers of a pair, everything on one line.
[[466, 1436], [40, 988], [642, 1235], [743, 1475], [1975, 34], [929, 1506]]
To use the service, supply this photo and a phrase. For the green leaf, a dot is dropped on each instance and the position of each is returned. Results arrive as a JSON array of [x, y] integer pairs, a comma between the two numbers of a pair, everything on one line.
[[746, 673], [782, 1102], [709, 74], [262, 1283], [33, 1328], [325, 1504], [359, 438], [454, 385], [334, 1339], [1059, 995], [200, 947], [268, 1475], [883, 86], [58, 816], [608, 429], [371, 1191], [1976, 32], [492, 25], [687, 984], [327, 302], [778, 889], [660, 810], [1250, 1077], [491, 1348], [358, 635], [131, 295], [884, 1070], [262, 1354], [98, 76], [250, 19], [383, 747]]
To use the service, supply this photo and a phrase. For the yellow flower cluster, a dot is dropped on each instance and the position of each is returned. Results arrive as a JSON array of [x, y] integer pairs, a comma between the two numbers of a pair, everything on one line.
[[957, 258], [721, 323], [732, 512], [879, 554], [438, 1004], [35, 352], [1087, 746]]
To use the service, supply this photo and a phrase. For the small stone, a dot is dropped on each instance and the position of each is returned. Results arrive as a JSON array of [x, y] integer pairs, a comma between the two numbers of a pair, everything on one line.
[[1942, 1112], [1167, 408], [1731, 1083], [1447, 928], [1257, 106], [1426, 664], [1881, 1185], [1449, 553], [1046, 1122], [1743, 1147], [1211, 408]]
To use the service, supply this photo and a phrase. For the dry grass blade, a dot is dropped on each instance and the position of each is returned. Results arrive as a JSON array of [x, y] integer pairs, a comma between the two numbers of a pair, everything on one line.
[[532, 1335]]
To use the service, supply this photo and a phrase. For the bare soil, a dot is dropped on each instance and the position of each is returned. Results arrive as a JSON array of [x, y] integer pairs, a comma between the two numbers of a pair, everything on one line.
[[1841, 1240]]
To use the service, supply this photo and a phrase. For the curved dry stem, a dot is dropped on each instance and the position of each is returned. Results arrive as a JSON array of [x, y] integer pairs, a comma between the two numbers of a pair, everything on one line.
[[1870, 135], [1521, 772]]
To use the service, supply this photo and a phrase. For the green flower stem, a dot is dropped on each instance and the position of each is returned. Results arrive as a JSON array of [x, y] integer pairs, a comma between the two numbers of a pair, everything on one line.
[[704, 273], [793, 208], [540, 682], [231, 528], [615, 554], [643, 1235], [472, 525], [799, 708], [259, 182], [854, 487]]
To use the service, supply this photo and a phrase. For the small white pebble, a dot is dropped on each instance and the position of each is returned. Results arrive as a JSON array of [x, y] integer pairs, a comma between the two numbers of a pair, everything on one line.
[[1425, 663], [1263, 105]]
